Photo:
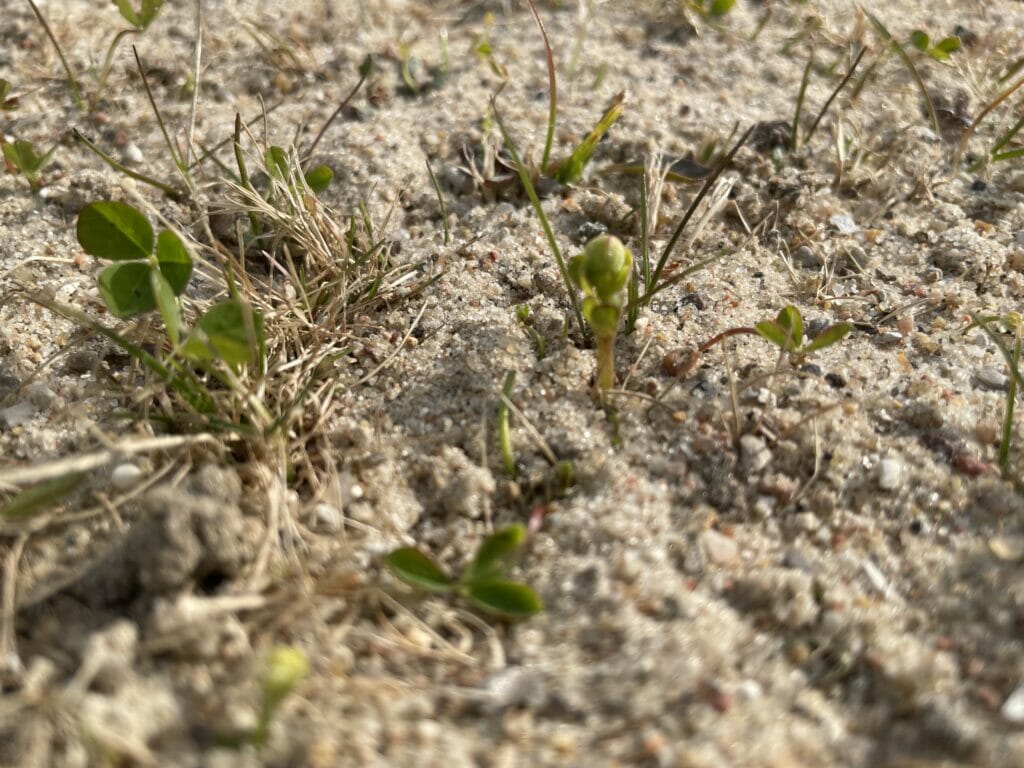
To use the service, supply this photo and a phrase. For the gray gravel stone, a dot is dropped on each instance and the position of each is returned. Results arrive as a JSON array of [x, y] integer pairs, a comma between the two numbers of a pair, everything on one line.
[[991, 378]]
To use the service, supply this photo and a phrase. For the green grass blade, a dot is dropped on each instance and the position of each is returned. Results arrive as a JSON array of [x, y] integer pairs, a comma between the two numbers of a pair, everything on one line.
[[31, 500]]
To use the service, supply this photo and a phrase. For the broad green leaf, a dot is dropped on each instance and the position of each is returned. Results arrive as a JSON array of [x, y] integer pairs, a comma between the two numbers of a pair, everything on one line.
[[571, 169], [30, 500], [828, 337], [416, 568], [919, 40], [790, 321], [114, 231], [22, 156], [150, 10], [175, 262], [495, 552], [504, 598], [773, 332], [224, 333], [945, 47], [128, 13], [126, 289], [319, 178], [721, 7], [167, 303], [276, 161]]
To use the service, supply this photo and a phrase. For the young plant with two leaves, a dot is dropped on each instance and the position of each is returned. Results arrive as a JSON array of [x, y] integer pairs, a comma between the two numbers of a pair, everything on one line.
[[484, 582]]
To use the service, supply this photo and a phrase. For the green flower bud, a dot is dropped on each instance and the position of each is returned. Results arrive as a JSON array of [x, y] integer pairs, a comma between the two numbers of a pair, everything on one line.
[[604, 268]]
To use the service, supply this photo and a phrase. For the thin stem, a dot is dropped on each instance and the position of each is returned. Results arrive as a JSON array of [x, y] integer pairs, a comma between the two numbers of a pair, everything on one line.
[[176, 158], [344, 103], [197, 60], [981, 116], [605, 378], [108, 63], [524, 179], [440, 202], [1011, 400], [76, 92], [701, 194], [725, 335], [794, 134], [828, 103], [508, 459], [167, 189], [552, 90]]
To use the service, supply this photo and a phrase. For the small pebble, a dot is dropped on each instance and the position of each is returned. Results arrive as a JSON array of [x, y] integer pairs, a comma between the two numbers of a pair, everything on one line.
[[1007, 547], [797, 560], [755, 453], [7, 385], [890, 474], [1013, 707], [719, 548], [16, 415], [991, 378], [133, 155], [82, 361], [328, 516], [844, 223], [42, 396], [125, 476]]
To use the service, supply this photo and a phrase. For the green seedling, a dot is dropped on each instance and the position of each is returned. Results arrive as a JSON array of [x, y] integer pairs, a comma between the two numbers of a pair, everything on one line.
[[711, 9], [1012, 323], [941, 51], [484, 581], [286, 668], [525, 318], [8, 102], [602, 274], [484, 49], [570, 170], [22, 155], [440, 203], [140, 20], [786, 332], [151, 272], [508, 459]]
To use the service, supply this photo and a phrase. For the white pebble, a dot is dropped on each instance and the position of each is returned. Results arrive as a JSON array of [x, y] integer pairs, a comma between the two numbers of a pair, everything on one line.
[[125, 476], [1013, 707], [719, 548], [890, 474], [328, 516]]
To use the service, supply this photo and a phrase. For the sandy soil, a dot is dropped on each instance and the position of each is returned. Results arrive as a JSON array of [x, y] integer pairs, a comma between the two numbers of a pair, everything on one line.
[[777, 565]]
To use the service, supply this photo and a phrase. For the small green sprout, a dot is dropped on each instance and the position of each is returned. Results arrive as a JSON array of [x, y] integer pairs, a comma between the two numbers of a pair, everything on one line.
[[152, 272], [602, 273], [483, 582], [942, 49], [570, 170], [286, 668], [786, 332], [508, 459], [525, 318], [22, 155], [8, 103], [1012, 323], [713, 9]]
